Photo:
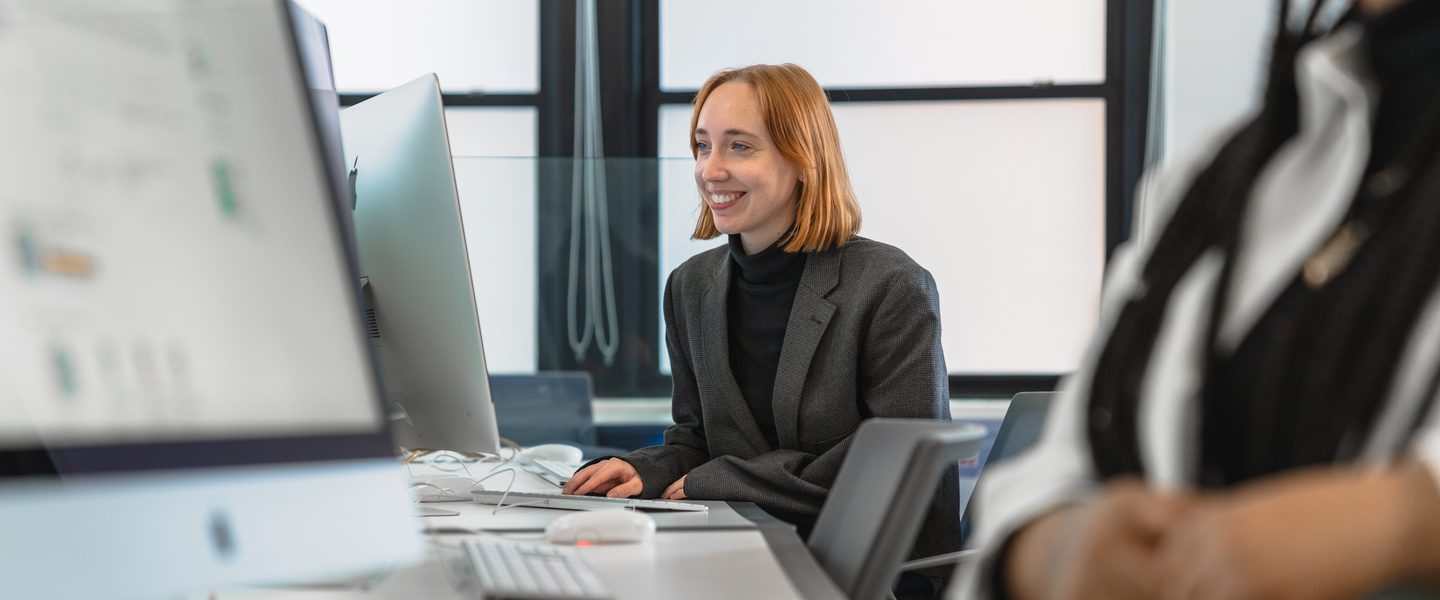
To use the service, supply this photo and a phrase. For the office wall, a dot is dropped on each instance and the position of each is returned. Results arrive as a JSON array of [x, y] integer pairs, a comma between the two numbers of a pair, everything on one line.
[[1017, 258], [472, 46], [917, 43], [1213, 66], [1003, 200]]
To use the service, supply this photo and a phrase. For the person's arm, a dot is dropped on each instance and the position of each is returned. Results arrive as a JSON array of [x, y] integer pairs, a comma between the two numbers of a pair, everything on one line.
[[1326, 532], [906, 379], [1103, 547], [648, 471]]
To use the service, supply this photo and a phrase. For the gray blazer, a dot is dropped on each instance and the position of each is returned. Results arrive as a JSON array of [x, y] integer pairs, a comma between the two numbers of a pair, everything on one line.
[[863, 341]]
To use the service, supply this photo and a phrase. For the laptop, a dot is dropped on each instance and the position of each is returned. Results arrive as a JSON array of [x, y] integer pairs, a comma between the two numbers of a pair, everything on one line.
[[1024, 420]]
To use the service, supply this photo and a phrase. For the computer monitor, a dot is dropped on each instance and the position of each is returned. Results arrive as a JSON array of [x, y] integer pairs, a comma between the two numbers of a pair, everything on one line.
[[180, 330], [425, 328], [313, 39]]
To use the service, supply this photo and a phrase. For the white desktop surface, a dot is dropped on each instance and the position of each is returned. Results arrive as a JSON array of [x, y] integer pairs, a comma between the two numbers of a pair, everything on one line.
[[721, 563]]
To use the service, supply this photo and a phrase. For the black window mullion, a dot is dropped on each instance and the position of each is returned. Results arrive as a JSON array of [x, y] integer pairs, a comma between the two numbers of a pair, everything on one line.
[[555, 124]]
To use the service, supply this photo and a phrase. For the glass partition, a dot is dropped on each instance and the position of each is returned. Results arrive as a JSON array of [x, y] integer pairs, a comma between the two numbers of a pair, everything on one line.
[[1017, 259]]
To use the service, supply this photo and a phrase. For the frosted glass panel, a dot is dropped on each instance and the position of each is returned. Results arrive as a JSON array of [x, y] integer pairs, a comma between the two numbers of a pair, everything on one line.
[[497, 203], [1002, 201], [489, 45], [679, 206], [864, 43], [1213, 69], [491, 131]]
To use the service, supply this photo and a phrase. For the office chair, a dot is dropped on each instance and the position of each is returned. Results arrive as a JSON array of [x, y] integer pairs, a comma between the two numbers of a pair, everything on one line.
[[550, 407], [1021, 428], [873, 513]]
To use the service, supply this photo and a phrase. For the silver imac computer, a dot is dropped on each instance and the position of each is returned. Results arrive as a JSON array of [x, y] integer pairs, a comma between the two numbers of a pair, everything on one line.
[[416, 271], [187, 398]]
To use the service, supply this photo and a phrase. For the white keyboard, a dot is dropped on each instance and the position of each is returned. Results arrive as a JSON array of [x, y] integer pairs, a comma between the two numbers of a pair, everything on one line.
[[537, 571], [558, 500]]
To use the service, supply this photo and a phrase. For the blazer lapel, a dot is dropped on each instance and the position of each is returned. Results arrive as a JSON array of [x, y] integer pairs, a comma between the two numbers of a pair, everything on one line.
[[715, 343], [809, 317]]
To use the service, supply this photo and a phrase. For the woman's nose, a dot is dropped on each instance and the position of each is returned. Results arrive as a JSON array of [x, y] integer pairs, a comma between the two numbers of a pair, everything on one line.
[[714, 170]]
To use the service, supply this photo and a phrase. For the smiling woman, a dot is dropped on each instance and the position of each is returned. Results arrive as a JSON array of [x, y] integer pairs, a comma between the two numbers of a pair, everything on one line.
[[757, 134], [784, 340]]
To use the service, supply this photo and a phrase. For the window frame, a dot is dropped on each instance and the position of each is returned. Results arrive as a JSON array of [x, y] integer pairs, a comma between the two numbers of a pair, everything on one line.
[[631, 97]]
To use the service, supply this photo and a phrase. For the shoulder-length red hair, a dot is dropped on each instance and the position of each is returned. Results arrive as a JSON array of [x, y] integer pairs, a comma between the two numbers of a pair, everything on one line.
[[797, 113]]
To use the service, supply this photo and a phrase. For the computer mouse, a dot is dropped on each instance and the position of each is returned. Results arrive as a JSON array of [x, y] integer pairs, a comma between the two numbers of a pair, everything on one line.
[[567, 454], [607, 526], [448, 488]]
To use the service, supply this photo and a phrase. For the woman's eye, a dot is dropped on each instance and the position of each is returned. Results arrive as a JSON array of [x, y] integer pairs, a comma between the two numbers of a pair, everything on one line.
[[740, 146], [702, 146]]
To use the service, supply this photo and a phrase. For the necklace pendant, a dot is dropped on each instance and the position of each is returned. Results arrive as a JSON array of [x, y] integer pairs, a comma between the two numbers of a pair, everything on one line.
[[1334, 256]]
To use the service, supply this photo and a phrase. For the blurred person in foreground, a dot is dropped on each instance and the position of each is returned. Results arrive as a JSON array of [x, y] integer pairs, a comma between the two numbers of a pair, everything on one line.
[[1256, 418]]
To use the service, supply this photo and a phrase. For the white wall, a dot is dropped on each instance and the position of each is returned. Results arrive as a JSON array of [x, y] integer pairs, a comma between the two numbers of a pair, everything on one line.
[[864, 43], [1017, 257], [1214, 65]]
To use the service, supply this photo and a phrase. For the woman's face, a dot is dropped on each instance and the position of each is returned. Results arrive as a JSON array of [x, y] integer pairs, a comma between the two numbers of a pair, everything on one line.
[[749, 186]]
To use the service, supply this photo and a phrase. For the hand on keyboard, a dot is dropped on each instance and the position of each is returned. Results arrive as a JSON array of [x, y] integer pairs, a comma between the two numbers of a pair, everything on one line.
[[614, 477]]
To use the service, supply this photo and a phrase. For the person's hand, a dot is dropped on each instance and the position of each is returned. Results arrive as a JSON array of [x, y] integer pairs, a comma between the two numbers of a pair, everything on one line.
[[613, 477], [676, 491], [1321, 533], [1104, 548]]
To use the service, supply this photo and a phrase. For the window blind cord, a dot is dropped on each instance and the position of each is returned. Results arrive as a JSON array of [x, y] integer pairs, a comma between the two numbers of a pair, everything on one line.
[[589, 207]]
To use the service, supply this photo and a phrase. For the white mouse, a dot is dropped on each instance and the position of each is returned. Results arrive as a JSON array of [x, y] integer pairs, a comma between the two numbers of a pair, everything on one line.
[[608, 526], [569, 455]]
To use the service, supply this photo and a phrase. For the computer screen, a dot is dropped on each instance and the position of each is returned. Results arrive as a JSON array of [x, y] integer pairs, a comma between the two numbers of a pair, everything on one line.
[[171, 273], [176, 304], [426, 331]]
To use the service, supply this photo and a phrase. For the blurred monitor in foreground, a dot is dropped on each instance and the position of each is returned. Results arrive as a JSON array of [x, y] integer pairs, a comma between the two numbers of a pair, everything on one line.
[[184, 382]]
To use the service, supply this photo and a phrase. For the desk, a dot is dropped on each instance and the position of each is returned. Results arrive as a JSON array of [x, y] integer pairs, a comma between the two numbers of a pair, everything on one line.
[[766, 561]]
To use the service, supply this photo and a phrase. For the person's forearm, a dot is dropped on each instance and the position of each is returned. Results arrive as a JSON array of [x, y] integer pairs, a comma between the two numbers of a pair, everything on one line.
[[1031, 555], [1421, 505], [1337, 532]]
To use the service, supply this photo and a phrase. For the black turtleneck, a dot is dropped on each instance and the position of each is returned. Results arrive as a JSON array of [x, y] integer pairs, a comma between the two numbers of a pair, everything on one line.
[[762, 291]]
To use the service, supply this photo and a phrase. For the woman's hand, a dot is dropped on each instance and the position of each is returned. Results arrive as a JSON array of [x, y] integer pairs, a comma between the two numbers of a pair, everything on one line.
[[1320, 533], [1104, 548], [676, 491], [613, 477]]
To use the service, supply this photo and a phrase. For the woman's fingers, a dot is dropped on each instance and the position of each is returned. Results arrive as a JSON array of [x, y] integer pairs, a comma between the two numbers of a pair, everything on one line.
[[627, 489], [580, 477], [676, 491], [606, 477]]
